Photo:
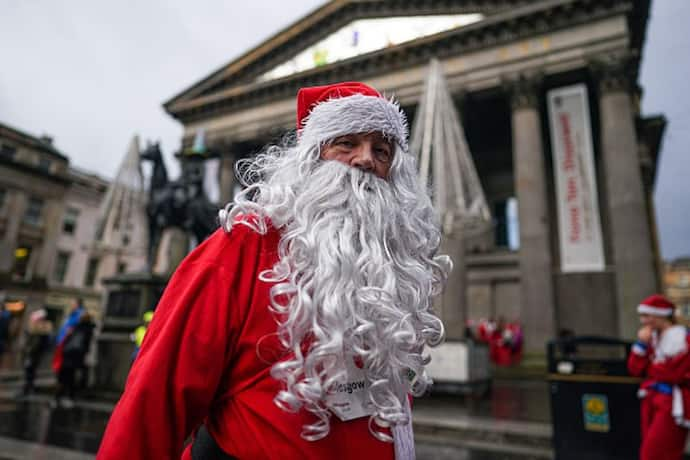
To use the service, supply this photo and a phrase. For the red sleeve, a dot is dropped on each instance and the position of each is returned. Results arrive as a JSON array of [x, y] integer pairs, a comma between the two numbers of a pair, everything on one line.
[[638, 361], [184, 354]]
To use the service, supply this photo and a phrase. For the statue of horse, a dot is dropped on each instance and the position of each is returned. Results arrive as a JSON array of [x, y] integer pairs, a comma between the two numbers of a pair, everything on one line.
[[180, 203]]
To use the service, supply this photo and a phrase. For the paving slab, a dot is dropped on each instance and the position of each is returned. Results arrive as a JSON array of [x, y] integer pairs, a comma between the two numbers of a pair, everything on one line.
[[14, 449]]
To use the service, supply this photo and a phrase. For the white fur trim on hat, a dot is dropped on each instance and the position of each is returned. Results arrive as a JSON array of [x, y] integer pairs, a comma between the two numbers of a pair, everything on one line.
[[355, 114], [656, 311]]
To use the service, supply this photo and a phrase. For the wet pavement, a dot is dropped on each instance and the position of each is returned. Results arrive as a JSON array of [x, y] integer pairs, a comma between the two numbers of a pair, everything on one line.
[[515, 400], [34, 425], [13, 449], [35, 421], [426, 451]]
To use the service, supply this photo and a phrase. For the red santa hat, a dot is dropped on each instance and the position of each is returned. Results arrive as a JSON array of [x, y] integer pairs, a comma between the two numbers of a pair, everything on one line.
[[327, 112], [656, 305]]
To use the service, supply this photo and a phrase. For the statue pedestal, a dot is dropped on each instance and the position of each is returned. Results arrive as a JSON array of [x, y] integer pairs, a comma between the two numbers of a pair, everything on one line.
[[128, 296]]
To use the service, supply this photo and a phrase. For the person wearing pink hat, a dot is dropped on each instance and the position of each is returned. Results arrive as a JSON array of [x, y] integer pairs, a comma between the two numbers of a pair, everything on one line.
[[661, 355], [36, 343], [297, 330]]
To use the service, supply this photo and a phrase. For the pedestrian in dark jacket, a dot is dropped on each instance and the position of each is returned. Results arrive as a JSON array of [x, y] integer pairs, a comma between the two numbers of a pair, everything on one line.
[[5, 319], [37, 340], [75, 347]]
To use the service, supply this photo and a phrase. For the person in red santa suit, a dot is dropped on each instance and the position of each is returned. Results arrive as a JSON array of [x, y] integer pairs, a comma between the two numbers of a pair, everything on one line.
[[662, 356], [297, 330], [485, 330]]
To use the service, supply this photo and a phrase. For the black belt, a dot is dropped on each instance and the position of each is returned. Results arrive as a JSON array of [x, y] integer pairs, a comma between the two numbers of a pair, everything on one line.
[[206, 448]]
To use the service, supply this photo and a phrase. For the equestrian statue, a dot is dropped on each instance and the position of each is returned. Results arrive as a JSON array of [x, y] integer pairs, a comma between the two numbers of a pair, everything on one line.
[[180, 203]]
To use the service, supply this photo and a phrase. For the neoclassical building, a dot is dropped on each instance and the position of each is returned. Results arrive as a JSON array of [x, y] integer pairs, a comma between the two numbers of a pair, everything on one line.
[[549, 100]]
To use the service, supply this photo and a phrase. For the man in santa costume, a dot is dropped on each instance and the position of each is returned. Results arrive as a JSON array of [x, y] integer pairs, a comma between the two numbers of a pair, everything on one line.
[[662, 356], [297, 330]]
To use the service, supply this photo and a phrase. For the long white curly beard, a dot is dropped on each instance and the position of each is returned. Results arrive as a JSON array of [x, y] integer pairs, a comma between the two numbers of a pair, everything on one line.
[[355, 276]]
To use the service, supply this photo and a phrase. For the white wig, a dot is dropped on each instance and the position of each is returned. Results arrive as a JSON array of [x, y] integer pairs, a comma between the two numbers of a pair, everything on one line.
[[357, 268]]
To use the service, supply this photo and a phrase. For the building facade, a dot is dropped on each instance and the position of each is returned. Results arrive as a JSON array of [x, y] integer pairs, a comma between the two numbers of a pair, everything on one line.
[[71, 275], [512, 67], [677, 284], [73, 267], [77, 270], [34, 181], [51, 254]]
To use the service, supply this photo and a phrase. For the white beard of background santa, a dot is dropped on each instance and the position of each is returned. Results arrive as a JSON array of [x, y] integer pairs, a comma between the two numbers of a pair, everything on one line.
[[358, 265]]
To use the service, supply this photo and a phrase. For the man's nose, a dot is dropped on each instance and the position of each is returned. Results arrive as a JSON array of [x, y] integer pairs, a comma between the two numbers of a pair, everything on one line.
[[363, 157]]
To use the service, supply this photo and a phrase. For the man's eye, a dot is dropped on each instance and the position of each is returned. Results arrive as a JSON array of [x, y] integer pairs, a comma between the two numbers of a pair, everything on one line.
[[345, 143], [383, 154]]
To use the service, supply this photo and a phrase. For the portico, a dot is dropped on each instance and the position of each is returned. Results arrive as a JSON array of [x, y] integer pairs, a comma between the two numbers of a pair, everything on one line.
[[500, 69]]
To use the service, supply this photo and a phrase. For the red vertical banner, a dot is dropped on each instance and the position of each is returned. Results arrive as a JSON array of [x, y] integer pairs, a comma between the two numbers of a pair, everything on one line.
[[579, 222]]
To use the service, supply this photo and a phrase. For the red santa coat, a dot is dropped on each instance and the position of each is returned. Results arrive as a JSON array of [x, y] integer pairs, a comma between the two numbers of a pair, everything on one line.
[[198, 363], [665, 392]]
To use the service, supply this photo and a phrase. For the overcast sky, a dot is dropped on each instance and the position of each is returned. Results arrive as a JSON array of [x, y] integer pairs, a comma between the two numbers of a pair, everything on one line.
[[93, 73], [665, 73]]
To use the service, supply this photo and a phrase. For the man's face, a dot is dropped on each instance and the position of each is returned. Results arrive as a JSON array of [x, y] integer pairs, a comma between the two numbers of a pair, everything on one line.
[[655, 322], [645, 320], [370, 152]]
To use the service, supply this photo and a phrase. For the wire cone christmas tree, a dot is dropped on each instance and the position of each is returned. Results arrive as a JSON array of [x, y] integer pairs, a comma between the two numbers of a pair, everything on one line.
[[445, 162], [123, 214], [446, 167]]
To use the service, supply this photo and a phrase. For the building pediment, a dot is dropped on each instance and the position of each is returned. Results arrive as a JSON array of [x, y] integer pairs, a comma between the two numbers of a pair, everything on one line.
[[365, 36], [325, 21], [290, 59]]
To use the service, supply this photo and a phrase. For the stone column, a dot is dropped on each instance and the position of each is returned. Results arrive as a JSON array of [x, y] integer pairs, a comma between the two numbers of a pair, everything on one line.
[[630, 234], [227, 178], [452, 305], [648, 171], [537, 299], [52, 225]]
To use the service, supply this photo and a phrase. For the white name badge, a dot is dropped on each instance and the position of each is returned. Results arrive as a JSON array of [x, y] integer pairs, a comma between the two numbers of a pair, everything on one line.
[[350, 398]]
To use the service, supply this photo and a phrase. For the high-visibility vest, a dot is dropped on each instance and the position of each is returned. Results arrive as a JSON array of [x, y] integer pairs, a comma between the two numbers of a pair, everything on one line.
[[139, 334]]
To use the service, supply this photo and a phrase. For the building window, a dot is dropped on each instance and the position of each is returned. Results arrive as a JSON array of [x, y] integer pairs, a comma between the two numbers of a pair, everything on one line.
[[501, 221], [20, 269], [123, 303], [44, 164], [69, 222], [32, 216], [15, 306], [3, 196], [61, 265], [684, 310], [507, 229], [91, 272], [513, 224], [8, 151], [121, 267]]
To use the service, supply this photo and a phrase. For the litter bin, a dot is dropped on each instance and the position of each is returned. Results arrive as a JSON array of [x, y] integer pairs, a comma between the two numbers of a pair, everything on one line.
[[595, 411]]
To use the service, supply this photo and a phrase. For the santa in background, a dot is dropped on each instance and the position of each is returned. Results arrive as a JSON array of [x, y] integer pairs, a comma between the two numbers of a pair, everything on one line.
[[504, 340], [661, 356]]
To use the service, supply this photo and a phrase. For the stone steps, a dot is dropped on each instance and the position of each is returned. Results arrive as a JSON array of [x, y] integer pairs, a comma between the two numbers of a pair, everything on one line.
[[515, 439]]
